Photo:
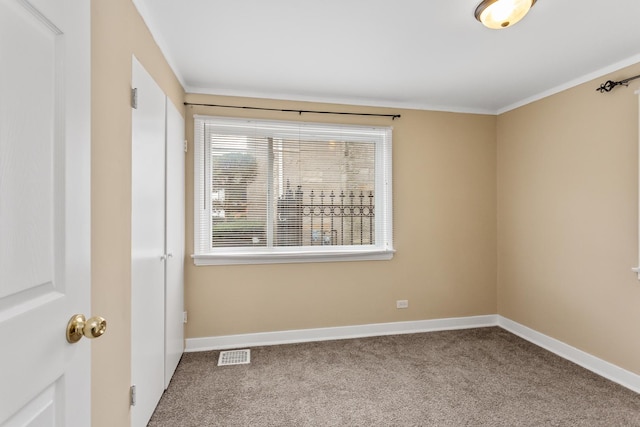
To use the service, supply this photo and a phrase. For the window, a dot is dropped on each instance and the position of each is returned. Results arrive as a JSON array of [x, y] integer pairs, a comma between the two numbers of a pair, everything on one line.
[[274, 191]]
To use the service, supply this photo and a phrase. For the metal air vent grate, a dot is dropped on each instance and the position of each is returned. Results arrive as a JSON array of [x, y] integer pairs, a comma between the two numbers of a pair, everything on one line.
[[234, 357]]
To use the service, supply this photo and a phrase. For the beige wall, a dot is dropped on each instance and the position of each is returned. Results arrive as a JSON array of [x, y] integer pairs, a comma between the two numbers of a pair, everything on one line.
[[568, 219], [117, 33], [444, 187]]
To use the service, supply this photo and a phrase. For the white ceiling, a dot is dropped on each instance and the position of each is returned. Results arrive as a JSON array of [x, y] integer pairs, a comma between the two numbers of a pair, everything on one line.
[[425, 54]]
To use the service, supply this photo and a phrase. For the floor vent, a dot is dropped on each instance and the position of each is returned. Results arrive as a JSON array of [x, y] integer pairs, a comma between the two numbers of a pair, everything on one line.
[[234, 357]]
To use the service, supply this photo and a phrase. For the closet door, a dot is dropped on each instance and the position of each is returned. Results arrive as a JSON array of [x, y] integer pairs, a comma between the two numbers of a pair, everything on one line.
[[174, 278], [147, 245]]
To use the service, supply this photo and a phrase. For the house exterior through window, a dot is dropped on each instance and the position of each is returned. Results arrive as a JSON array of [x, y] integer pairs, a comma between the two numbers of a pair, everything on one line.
[[273, 191]]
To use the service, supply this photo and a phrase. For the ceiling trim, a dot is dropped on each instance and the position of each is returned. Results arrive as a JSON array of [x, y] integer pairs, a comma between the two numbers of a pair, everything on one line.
[[635, 59], [337, 100], [573, 83], [141, 6]]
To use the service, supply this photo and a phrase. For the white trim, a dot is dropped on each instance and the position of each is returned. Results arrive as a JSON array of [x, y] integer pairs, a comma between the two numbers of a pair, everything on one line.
[[596, 365], [219, 91], [338, 333], [572, 83], [156, 34], [362, 102], [289, 257], [637, 269]]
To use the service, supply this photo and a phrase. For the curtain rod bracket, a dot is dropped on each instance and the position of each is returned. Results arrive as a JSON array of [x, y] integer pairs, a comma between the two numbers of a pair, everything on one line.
[[610, 84]]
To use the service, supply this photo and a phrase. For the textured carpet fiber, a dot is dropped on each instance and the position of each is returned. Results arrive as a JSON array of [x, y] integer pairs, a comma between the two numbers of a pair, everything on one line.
[[475, 377]]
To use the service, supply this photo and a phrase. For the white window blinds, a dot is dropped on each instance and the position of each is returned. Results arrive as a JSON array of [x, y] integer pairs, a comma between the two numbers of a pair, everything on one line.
[[273, 190]]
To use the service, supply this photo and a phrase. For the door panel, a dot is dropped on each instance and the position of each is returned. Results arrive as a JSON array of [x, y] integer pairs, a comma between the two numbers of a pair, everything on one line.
[[27, 254], [38, 412], [175, 241], [44, 187], [147, 245]]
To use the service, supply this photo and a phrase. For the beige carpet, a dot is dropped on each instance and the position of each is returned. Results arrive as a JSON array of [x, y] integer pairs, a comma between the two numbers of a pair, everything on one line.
[[476, 377]]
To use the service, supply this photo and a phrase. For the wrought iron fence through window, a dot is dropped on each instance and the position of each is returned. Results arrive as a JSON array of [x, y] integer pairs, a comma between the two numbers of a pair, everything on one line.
[[325, 218]]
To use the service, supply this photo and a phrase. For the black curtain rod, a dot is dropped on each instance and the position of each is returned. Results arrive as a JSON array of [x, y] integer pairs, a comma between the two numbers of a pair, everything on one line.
[[393, 116], [609, 84]]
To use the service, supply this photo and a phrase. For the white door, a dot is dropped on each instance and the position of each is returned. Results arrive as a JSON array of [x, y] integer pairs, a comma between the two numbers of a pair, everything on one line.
[[174, 275], [44, 211], [147, 245]]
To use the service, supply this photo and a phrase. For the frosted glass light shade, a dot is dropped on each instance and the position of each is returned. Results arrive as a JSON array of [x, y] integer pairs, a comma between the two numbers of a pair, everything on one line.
[[497, 14]]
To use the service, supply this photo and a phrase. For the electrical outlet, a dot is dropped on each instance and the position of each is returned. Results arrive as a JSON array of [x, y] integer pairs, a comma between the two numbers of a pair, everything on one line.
[[402, 303]]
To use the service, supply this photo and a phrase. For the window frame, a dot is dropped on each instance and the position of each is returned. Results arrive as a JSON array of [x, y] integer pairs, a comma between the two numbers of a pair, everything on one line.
[[205, 254]]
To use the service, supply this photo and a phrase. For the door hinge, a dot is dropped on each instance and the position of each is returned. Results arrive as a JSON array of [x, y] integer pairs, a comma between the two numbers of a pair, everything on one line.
[[184, 317], [134, 98], [132, 395], [185, 145]]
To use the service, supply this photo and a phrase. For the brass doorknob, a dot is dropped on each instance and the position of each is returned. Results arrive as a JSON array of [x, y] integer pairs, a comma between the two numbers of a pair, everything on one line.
[[79, 326]]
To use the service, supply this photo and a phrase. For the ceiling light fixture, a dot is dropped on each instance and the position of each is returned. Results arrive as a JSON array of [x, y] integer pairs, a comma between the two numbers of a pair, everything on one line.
[[497, 14]]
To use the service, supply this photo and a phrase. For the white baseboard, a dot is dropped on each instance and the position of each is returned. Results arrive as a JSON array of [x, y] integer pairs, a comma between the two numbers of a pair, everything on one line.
[[337, 333], [605, 369]]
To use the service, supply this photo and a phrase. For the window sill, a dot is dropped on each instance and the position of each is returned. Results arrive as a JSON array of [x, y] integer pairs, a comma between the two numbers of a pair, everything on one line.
[[291, 257]]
